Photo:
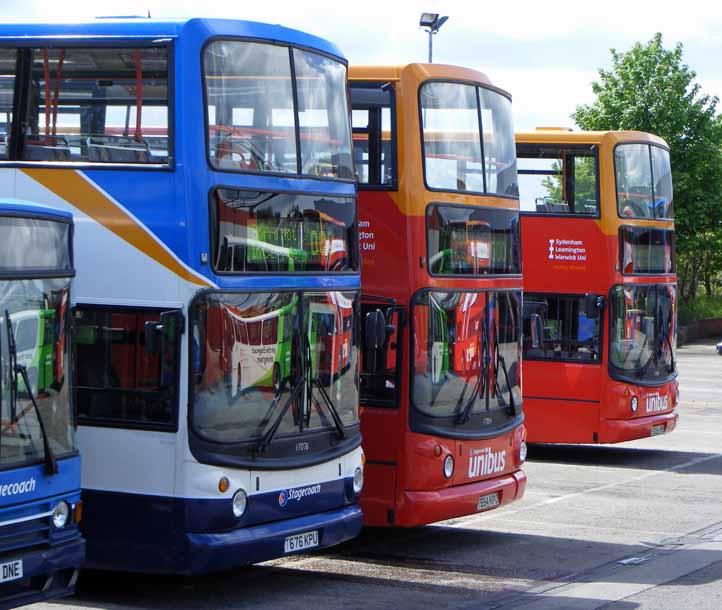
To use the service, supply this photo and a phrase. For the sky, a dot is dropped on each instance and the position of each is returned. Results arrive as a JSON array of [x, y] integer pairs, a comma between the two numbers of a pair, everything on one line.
[[545, 53]]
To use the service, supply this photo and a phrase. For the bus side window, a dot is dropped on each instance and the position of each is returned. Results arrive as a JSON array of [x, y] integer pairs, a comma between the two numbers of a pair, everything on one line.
[[558, 327], [374, 136], [121, 379]]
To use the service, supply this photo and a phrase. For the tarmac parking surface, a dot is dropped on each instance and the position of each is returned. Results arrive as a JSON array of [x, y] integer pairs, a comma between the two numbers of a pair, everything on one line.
[[635, 526]]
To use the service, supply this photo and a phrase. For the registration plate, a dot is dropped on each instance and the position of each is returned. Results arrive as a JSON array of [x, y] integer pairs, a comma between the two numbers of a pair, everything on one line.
[[488, 501], [656, 430], [300, 542], [11, 570]]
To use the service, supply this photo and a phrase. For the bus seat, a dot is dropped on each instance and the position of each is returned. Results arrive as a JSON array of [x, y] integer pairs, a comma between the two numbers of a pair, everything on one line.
[[118, 149], [41, 152], [559, 207]]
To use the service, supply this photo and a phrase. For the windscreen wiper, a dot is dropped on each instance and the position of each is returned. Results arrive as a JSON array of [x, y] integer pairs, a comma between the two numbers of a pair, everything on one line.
[[654, 355], [324, 395], [266, 439], [51, 464], [501, 360], [300, 384], [668, 341], [481, 379]]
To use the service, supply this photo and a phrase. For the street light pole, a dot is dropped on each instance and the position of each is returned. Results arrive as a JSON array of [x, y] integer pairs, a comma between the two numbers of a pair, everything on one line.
[[432, 22]]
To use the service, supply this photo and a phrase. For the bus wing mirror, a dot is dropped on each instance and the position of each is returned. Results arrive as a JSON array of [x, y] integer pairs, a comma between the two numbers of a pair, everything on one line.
[[375, 329], [160, 334], [537, 331], [153, 332], [593, 305]]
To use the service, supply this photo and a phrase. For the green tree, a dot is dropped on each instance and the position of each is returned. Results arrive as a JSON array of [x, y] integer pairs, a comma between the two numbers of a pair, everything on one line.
[[650, 89]]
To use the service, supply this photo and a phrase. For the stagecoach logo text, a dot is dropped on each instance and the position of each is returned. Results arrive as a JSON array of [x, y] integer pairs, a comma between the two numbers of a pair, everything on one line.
[[656, 403], [484, 461], [297, 494], [13, 489]]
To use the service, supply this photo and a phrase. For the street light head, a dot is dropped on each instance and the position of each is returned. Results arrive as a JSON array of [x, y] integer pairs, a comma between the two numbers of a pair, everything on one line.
[[428, 19]]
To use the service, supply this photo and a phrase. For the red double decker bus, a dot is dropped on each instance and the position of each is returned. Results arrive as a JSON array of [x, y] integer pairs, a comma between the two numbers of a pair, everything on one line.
[[439, 236], [600, 303]]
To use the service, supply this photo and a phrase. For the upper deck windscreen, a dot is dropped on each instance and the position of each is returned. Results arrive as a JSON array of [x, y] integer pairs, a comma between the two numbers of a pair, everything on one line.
[[644, 181], [272, 108], [468, 139]]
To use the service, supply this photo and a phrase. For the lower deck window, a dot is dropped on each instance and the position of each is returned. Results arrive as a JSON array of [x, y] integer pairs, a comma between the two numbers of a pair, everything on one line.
[[558, 327], [127, 367]]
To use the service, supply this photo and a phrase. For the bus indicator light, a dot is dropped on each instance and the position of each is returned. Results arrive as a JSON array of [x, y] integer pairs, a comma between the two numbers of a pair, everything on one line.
[[78, 514], [223, 485], [634, 404]]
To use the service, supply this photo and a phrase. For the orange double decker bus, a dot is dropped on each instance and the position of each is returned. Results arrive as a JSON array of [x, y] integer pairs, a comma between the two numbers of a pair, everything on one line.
[[441, 405], [600, 303]]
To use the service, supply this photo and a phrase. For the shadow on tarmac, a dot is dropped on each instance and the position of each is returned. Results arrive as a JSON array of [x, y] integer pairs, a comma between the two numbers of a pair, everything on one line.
[[626, 457], [436, 566]]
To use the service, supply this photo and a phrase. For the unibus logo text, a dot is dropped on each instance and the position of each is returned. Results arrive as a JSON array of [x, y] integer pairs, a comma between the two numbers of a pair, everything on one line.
[[485, 461], [656, 403]]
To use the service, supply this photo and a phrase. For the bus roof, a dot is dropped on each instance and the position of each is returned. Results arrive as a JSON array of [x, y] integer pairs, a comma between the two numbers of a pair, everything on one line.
[[565, 136], [140, 28], [19, 208], [422, 72]]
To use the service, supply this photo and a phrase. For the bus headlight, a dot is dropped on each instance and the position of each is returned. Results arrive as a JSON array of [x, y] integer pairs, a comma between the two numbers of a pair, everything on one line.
[[358, 480], [61, 513], [522, 451], [634, 404], [240, 503], [448, 466]]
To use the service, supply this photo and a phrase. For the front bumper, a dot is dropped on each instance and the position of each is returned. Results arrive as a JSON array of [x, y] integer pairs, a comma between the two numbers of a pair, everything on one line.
[[620, 430], [225, 550], [47, 574], [422, 507]]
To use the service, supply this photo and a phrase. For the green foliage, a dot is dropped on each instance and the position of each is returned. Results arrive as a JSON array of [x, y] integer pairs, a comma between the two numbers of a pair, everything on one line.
[[585, 182], [650, 89], [700, 308]]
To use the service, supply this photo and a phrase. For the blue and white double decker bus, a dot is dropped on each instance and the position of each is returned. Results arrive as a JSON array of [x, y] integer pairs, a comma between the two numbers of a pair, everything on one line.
[[40, 544], [208, 166]]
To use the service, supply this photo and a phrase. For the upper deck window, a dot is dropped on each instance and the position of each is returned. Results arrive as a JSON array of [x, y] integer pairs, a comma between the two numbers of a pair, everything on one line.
[[558, 179], [469, 240], [97, 105], [468, 139], [261, 232], [374, 134], [265, 102], [644, 181]]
